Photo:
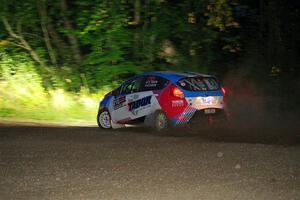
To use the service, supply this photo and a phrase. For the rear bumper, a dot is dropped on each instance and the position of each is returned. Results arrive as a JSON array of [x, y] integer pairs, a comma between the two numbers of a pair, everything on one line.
[[201, 117]]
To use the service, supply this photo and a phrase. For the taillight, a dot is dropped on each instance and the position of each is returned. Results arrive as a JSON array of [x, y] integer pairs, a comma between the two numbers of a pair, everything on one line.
[[176, 92], [223, 90]]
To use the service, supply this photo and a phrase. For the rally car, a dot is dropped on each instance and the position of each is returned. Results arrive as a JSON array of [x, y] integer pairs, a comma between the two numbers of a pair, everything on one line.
[[162, 100]]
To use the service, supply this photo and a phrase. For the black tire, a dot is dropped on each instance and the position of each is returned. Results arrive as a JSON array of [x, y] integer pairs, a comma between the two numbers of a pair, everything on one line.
[[160, 121], [104, 119]]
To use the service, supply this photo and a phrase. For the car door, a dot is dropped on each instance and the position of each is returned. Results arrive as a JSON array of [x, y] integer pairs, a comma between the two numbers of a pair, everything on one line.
[[118, 105], [133, 101], [139, 100]]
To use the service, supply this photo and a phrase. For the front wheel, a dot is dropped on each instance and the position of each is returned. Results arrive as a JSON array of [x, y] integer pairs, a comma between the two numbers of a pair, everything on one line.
[[104, 119], [161, 121]]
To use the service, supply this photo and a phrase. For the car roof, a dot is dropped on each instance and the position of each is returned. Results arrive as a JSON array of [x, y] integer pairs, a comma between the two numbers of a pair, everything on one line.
[[174, 76]]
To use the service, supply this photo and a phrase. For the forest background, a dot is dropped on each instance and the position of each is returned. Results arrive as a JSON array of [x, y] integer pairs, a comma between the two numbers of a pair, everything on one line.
[[59, 57]]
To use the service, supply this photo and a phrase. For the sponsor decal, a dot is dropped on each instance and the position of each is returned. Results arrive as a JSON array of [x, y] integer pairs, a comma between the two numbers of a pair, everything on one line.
[[206, 100], [183, 84], [151, 82], [119, 102], [133, 98], [177, 103], [135, 105]]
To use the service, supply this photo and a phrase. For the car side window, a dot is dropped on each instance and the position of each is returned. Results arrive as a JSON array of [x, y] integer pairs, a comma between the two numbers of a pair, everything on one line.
[[126, 88], [154, 83], [132, 86], [136, 85]]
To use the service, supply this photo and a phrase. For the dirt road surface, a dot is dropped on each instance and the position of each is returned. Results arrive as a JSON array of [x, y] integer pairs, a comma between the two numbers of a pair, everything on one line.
[[135, 164]]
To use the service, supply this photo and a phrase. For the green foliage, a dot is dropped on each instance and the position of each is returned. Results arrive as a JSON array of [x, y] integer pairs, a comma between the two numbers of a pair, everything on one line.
[[220, 15], [110, 44], [168, 36], [22, 95], [82, 47]]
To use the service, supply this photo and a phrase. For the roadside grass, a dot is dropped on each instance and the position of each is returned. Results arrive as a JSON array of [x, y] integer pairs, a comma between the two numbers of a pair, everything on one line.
[[23, 95], [49, 106]]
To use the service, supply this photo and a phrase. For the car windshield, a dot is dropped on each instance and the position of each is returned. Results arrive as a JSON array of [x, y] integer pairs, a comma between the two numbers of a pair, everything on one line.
[[199, 83]]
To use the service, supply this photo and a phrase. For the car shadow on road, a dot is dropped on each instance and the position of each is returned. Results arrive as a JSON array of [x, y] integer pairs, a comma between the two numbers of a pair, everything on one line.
[[255, 135]]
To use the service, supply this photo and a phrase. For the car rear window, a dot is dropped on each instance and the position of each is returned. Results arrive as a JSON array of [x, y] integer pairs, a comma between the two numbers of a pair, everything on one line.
[[199, 83]]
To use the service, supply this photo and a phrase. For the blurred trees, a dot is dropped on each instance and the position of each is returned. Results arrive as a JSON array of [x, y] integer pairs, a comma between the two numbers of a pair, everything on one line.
[[98, 43]]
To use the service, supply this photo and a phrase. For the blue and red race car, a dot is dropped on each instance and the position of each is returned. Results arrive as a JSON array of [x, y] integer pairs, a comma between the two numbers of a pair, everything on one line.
[[163, 99]]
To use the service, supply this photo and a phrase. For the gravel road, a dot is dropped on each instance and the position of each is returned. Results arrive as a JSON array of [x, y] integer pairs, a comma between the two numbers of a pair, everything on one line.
[[135, 164]]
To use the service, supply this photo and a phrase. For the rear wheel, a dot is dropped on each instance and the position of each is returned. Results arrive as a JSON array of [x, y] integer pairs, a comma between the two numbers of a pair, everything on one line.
[[103, 119], [161, 122]]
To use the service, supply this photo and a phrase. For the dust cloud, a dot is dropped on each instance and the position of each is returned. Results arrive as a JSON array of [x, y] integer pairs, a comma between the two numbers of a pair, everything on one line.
[[257, 114], [253, 105]]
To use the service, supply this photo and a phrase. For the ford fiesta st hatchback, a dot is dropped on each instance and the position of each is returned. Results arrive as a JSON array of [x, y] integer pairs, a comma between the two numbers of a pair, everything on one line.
[[164, 99]]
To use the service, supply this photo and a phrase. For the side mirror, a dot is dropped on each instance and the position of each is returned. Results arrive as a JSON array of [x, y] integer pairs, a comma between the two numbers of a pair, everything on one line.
[[116, 92]]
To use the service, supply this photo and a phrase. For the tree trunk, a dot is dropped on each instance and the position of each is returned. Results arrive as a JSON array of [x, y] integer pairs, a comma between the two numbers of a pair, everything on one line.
[[59, 43], [270, 34], [137, 11], [44, 21], [137, 20], [275, 49], [261, 20], [148, 41], [23, 43], [71, 37]]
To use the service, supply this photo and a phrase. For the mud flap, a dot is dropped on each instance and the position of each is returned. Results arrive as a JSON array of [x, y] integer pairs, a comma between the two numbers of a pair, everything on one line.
[[116, 125], [149, 120]]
